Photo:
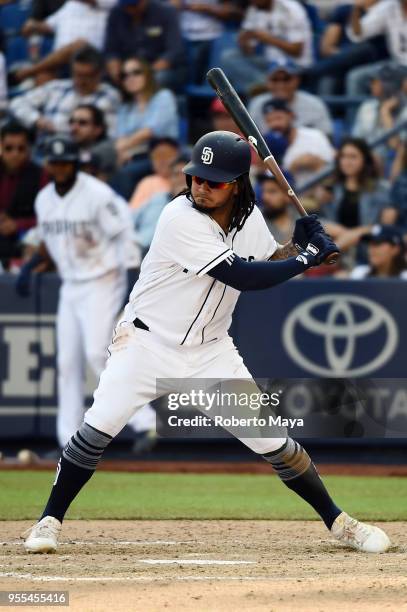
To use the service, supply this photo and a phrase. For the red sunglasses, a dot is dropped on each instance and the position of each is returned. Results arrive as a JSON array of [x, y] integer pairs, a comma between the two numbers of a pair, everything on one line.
[[212, 184]]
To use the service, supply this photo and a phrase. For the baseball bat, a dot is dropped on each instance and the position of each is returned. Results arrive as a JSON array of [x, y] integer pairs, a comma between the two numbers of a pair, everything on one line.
[[233, 104]]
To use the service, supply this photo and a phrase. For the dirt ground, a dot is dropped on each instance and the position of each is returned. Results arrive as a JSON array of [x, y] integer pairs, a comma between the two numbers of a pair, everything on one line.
[[207, 566]]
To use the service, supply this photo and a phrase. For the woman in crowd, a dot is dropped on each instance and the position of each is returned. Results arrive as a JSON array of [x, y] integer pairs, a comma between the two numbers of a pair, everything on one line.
[[146, 113], [386, 254], [360, 198]]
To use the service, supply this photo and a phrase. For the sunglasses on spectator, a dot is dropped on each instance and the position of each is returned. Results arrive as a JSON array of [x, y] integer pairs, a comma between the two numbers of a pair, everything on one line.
[[212, 184], [10, 148], [281, 79], [129, 73], [73, 120]]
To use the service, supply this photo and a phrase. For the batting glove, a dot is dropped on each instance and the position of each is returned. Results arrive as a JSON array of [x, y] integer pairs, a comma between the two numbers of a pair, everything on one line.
[[320, 247], [305, 228]]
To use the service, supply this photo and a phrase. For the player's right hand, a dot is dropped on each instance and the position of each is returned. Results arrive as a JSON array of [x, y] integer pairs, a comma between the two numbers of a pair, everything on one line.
[[321, 246]]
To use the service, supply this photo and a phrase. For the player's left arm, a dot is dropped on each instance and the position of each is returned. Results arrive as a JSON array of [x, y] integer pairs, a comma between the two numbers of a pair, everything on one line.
[[284, 251], [246, 276]]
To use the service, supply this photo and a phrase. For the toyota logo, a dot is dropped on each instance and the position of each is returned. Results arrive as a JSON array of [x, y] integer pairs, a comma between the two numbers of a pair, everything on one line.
[[346, 319]]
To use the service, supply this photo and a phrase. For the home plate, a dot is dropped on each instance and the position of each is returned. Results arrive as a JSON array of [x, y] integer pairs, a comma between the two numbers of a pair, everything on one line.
[[194, 562]]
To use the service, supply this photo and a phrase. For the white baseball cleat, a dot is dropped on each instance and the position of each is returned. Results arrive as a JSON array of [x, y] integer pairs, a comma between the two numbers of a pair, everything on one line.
[[363, 537], [43, 536]]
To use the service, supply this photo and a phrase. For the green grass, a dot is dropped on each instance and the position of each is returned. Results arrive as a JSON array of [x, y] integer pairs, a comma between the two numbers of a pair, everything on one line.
[[114, 495]]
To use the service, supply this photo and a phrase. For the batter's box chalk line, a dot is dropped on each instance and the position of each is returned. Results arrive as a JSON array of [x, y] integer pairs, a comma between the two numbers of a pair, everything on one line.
[[116, 542], [27, 576], [194, 562]]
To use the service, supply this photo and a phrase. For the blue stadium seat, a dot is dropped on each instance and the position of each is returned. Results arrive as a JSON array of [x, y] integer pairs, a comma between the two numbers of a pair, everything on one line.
[[339, 132], [13, 16], [16, 50]]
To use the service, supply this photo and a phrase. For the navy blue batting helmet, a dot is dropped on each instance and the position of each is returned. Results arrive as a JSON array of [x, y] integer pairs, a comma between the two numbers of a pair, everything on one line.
[[219, 156]]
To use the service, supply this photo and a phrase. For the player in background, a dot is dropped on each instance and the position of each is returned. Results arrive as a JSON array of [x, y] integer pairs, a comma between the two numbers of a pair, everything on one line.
[[86, 230], [211, 242]]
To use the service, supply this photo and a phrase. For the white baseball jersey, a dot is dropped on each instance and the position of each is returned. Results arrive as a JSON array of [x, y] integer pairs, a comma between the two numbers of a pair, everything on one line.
[[83, 229], [386, 18], [174, 295], [287, 20]]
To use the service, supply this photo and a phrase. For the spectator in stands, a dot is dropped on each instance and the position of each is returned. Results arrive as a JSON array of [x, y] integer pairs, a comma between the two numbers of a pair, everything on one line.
[[386, 108], [146, 217], [201, 24], [277, 209], [398, 195], [271, 30], [149, 112], [20, 181], [386, 254], [387, 17], [338, 54], [308, 149], [359, 197], [87, 128], [283, 81], [150, 30], [48, 107], [163, 153], [74, 25]]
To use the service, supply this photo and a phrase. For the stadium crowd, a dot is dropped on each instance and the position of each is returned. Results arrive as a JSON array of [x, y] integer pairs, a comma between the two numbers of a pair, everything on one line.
[[125, 80]]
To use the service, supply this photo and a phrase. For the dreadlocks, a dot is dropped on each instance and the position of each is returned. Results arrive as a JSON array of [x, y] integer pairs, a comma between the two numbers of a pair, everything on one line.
[[242, 206], [244, 203]]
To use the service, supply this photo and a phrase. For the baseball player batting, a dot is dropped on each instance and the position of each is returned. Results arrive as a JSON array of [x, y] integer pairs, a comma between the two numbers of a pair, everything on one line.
[[85, 230], [211, 243]]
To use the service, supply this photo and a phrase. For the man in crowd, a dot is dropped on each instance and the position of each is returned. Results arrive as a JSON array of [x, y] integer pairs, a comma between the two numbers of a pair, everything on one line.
[[386, 107], [201, 24], [388, 17], [308, 149], [339, 54], [48, 107], [87, 129], [20, 181], [75, 24], [150, 30], [280, 28], [283, 81]]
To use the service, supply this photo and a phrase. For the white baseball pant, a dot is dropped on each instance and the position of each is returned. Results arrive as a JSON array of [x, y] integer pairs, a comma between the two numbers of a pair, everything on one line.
[[138, 358], [87, 312]]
